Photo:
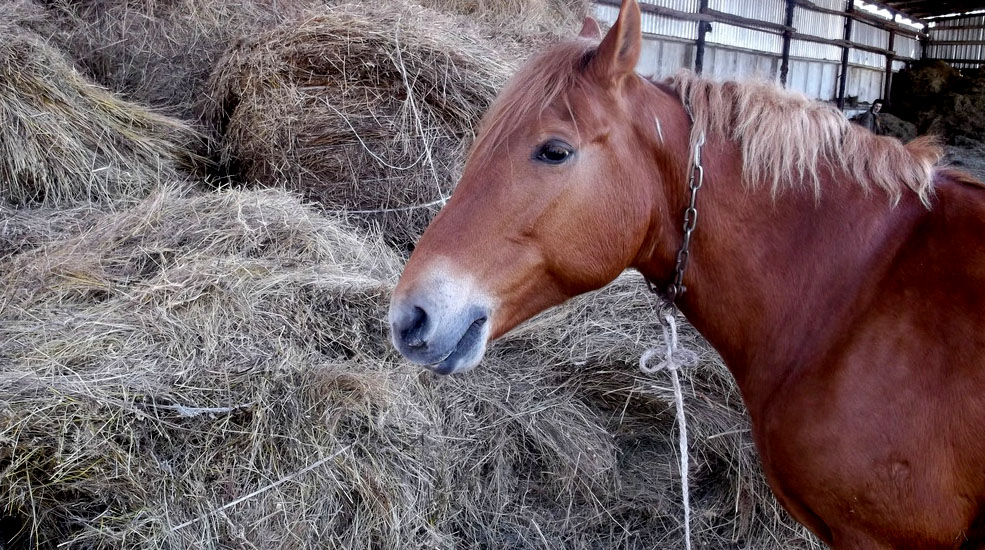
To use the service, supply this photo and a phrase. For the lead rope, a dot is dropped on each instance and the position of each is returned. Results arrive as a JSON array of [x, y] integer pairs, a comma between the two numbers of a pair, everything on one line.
[[675, 358]]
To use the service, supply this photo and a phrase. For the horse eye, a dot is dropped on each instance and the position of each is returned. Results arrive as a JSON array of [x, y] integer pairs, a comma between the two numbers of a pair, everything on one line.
[[554, 151]]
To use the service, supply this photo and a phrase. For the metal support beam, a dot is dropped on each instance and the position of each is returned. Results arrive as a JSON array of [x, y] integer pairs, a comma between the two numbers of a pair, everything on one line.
[[843, 78], [888, 84], [703, 28], [785, 57]]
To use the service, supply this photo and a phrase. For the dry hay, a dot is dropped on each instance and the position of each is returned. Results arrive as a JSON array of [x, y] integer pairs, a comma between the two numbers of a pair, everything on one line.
[[63, 139], [156, 52], [522, 19], [898, 128], [968, 155], [941, 100], [360, 109], [213, 370]]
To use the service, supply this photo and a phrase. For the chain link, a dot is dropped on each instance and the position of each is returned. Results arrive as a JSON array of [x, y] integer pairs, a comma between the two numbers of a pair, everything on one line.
[[694, 182]]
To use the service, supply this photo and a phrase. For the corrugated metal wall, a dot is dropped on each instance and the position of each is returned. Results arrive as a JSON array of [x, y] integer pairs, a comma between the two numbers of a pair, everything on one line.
[[870, 36], [771, 11], [736, 52], [819, 24], [943, 30]]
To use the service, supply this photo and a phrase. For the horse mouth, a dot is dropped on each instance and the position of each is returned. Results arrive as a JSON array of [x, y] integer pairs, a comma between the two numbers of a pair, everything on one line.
[[466, 353]]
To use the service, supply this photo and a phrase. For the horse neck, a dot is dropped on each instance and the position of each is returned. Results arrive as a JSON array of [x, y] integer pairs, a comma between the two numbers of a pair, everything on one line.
[[773, 281]]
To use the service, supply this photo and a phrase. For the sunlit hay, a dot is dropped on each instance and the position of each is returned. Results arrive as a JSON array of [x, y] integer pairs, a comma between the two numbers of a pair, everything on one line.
[[157, 52], [64, 140], [522, 19], [788, 140], [361, 109], [213, 370]]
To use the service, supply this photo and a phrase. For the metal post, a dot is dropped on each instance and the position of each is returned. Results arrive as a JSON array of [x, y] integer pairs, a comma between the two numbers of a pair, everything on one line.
[[785, 58], [703, 28], [888, 84], [844, 55]]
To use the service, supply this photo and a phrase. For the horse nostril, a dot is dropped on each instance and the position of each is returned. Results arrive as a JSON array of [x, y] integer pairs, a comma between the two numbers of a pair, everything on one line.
[[413, 335]]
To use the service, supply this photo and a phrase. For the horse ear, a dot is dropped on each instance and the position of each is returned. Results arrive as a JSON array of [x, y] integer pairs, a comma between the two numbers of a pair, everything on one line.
[[620, 49], [590, 29]]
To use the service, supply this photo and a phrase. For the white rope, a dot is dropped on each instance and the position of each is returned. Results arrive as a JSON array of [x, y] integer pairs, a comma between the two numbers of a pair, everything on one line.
[[673, 360]]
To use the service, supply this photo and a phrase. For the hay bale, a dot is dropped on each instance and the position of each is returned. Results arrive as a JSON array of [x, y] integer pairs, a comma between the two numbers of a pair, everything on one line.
[[520, 19], [154, 52], [64, 140], [896, 127], [213, 370], [359, 109], [941, 100]]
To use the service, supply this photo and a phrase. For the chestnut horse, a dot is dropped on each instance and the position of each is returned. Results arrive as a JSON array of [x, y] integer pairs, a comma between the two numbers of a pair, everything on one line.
[[841, 275]]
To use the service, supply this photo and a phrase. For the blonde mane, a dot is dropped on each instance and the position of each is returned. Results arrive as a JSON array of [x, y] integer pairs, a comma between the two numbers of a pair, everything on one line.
[[786, 139]]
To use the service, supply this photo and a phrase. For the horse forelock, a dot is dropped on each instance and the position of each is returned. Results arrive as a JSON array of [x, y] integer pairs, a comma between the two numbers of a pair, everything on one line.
[[540, 82], [788, 140]]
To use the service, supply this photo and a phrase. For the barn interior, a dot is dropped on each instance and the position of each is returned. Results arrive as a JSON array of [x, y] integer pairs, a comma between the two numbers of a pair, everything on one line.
[[204, 207]]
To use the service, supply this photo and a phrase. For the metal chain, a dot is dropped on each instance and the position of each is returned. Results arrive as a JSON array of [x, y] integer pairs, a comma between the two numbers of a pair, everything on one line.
[[694, 182]]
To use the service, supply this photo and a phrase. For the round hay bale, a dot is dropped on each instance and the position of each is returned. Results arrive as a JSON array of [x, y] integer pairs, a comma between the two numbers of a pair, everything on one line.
[[359, 109], [155, 52], [65, 140]]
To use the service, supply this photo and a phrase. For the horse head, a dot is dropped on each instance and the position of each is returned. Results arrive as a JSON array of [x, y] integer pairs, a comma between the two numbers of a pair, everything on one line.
[[556, 198]]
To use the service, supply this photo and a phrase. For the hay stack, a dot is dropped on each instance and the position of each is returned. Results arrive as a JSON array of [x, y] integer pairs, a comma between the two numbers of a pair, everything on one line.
[[213, 370], [941, 100], [155, 52], [360, 109], [898, 128], [63, 139]]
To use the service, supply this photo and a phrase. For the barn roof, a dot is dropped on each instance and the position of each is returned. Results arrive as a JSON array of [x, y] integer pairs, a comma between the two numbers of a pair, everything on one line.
[[933, 8]]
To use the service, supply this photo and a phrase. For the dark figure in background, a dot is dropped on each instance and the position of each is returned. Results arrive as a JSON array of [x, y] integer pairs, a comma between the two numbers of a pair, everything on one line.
[[870, 118]]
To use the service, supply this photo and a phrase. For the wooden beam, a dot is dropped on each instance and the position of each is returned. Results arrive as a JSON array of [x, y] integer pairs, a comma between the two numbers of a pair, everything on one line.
[[866, 18], [785, 52], [662, 11], [844, 44], [843, 77], [740, 21]]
